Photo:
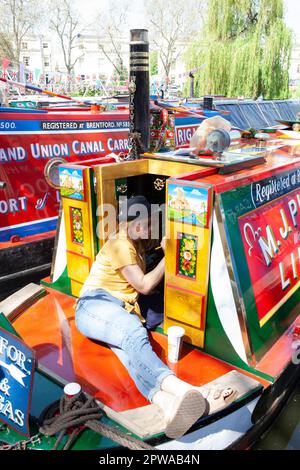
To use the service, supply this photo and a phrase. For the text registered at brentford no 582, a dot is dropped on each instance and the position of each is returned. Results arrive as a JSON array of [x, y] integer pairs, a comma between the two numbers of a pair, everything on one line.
[[151, 459]]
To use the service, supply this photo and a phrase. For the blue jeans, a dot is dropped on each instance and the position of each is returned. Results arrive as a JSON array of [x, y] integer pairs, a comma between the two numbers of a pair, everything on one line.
[[152, 309], [102, 317]]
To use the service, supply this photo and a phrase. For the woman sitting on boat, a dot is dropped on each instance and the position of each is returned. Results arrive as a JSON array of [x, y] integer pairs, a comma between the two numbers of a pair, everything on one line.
[[108, 311]]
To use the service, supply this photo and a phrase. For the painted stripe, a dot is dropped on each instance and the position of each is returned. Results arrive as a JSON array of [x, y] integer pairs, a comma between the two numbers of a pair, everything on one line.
[[185, 126], [194, 122], [138, 68], [139, 54], [223, 295], [85, 131], [11, 125], [184, 122], [139, 61], [182, 289], [28, 223], [267, 317], [29, 228]]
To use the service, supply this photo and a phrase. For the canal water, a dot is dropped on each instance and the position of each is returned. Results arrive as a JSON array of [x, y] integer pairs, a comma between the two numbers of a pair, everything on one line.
[[285, 431]]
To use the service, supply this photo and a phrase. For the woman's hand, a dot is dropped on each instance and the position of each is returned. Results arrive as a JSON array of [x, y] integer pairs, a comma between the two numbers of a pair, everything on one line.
[[163, 244]]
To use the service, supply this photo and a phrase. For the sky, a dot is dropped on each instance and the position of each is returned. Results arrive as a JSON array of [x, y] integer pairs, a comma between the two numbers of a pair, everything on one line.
[[293, 16], [137, 17]]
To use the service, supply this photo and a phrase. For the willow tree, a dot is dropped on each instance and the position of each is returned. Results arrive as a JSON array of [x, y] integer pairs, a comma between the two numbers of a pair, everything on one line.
[[244, 50]]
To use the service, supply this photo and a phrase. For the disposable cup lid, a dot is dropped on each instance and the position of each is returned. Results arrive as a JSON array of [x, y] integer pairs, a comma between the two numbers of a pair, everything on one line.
[[176, 331], [72, 389]]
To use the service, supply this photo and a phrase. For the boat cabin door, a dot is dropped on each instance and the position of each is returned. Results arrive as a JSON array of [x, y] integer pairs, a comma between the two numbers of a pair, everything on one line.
[[188, 233]]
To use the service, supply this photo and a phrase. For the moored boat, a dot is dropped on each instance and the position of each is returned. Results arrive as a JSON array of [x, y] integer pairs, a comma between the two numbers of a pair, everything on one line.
[[231, 281]]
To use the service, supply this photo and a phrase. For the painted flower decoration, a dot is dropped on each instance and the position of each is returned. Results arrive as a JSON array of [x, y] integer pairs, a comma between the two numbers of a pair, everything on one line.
[[187, 256], [77, 226]]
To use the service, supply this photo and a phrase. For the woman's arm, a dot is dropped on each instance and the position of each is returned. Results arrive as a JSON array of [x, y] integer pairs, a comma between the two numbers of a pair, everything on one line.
[[144, 283]]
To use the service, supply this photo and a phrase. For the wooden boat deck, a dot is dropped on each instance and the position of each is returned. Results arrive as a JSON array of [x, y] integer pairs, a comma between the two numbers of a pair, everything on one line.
[[48, 326]]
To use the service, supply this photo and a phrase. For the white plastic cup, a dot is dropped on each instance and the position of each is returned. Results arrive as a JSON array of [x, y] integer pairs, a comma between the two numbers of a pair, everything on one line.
[[175, 335]]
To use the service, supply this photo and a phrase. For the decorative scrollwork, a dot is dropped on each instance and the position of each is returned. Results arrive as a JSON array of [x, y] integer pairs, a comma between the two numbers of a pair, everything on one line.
[[159, 184], [122, 188], [132, 87]]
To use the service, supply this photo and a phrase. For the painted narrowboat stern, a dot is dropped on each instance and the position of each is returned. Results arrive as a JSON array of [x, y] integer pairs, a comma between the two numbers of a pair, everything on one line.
[[231, 281]]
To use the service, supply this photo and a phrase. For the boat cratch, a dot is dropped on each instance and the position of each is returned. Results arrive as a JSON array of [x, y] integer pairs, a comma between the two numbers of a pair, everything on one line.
[[232, 281]]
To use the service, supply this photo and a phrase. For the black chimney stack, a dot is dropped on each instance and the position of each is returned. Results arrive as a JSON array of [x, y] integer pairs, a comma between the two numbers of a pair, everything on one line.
[[139, 108]]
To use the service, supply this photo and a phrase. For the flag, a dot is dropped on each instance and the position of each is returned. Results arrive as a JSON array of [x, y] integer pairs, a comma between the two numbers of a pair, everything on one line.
[[22, 73], [37, 74], [5, 63]]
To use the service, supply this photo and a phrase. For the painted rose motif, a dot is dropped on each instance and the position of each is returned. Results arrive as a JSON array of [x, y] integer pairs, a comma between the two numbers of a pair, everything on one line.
[[187, 256], [77, 225]]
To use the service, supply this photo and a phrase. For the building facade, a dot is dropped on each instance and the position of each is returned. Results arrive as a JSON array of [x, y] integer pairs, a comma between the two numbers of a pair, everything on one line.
[[295, 65], [94, 57], [96, 61]]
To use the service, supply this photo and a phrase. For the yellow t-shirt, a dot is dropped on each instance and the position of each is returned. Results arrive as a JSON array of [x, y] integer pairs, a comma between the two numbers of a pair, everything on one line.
[[105, 272]]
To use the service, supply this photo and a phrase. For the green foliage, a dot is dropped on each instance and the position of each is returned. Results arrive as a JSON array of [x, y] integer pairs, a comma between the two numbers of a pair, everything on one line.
[[120, 72], [245, 51], [153, 63]]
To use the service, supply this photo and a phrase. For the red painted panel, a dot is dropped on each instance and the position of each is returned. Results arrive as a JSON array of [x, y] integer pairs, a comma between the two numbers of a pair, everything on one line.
[[31, 239], [270, 237]]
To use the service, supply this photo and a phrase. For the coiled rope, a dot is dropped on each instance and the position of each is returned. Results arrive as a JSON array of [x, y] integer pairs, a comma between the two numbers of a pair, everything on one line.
[[77, 413]]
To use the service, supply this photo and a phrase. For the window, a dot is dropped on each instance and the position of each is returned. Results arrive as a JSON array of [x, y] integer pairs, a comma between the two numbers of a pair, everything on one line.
[[46, 62], [26, 61], [24, 45], [45, 45]]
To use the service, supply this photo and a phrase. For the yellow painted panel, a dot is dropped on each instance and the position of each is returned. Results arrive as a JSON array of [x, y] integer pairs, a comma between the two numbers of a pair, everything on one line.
[[165, 168], [87, 248], [107, 174], [105, 184], [78, 267], [76, 287], [186, 297], [203, 240], [183, 306], [120, 170]]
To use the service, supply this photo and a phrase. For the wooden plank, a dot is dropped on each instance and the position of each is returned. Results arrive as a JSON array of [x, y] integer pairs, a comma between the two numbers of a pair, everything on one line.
[[144, 421], [16, 303], [169, 168]]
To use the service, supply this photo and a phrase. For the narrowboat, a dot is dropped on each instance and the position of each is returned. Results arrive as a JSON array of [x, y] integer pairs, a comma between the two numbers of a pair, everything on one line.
[[33, 142]]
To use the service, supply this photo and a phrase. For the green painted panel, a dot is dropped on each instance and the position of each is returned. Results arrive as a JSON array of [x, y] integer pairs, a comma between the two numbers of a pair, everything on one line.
[[63, 283], [6, 325]]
